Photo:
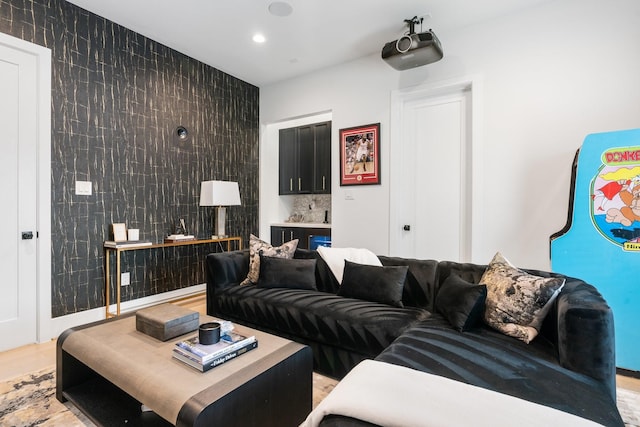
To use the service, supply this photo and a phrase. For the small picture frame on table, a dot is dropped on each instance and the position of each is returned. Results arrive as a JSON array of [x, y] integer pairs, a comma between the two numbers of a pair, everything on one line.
[[119, 232], [360, 155]]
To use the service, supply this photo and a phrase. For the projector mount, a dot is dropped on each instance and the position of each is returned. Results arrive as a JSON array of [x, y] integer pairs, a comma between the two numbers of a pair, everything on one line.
[[412, 24]]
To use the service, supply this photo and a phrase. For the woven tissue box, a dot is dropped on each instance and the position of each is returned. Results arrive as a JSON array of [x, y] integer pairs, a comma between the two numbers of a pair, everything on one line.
[[166, 321]]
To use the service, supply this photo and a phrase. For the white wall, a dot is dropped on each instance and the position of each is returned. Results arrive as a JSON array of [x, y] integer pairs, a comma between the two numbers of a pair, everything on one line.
[[550, 76]]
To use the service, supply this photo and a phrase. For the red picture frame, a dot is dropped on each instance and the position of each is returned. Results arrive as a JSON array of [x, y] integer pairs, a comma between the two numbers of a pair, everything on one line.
[[360, 155]]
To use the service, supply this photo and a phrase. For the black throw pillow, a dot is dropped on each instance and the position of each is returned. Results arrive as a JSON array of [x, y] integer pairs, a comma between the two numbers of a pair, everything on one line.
[[461, 302], [373, 283], [287, 273]]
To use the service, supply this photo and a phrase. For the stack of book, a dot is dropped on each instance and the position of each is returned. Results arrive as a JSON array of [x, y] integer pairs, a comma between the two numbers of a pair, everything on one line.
[[205, 357], [126, 243], [175, 238]]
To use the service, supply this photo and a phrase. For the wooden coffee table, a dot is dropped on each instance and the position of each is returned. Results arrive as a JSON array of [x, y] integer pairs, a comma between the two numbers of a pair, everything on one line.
[[108, 370]]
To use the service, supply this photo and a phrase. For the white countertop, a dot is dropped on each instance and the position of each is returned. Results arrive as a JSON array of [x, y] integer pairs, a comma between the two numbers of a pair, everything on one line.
[[301, 224]]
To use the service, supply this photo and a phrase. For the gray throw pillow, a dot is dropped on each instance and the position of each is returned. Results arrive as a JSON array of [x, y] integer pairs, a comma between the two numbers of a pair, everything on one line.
[[373, 283], [257, 247], [461, 302], [287, 273]]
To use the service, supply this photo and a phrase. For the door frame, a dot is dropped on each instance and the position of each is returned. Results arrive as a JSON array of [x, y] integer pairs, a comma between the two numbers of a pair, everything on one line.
[[472, 212], [44, 331]]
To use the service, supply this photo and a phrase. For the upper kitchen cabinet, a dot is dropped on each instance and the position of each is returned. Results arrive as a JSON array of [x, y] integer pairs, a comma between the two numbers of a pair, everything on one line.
[[322, 154], [305, 159]]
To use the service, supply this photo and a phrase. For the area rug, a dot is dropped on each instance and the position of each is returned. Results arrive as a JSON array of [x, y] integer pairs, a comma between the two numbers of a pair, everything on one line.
[[30, 400], [629, 407]]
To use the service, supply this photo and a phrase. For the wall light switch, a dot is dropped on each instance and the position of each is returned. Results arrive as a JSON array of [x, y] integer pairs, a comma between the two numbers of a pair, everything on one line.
[[83, 188], [125, 279]]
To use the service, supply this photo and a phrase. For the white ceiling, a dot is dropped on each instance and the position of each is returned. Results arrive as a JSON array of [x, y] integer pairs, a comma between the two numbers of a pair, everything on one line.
[[318, 34]]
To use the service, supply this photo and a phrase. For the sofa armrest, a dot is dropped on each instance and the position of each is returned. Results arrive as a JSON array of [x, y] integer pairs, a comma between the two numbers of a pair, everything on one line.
[[586, 337], [224, 269]]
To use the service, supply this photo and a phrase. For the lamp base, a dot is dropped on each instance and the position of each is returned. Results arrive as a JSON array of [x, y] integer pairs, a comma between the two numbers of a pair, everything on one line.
[[221, 217]]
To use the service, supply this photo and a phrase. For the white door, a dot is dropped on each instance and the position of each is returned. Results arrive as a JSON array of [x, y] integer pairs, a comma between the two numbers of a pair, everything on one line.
[[431, 160], [18, 215]]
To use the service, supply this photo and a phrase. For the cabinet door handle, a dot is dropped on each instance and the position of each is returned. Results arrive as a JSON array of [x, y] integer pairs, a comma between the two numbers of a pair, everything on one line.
[[291, 235], [290, 184], [299, 184], [282, 238], [323, 182]]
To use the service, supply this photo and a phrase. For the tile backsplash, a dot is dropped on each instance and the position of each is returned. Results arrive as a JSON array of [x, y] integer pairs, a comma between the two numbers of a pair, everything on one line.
[[312, 206]]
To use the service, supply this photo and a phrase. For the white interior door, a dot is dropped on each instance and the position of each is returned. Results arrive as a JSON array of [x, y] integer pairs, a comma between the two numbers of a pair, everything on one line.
[[431, 203], [18, 185]]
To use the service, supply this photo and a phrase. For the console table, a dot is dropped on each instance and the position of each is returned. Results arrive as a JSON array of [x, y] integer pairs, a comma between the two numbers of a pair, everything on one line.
[[118, 251]]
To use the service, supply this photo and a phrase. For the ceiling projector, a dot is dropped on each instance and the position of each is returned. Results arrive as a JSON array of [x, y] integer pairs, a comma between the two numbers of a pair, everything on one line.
[[413, 49]]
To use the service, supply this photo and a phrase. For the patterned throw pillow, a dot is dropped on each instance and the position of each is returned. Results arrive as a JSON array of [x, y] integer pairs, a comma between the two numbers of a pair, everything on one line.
[[257, 247], [517, 302]]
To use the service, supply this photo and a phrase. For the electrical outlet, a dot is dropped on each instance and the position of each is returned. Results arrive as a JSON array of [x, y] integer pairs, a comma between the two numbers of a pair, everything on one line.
[[125, 279], [83, 188]]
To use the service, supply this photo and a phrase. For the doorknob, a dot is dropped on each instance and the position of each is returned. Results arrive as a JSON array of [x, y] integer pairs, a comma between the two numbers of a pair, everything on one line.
[[27, 235], [406, 227]]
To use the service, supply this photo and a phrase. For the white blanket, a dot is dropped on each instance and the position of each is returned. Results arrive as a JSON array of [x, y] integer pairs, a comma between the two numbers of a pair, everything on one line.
[[390, 395], [334, 257]]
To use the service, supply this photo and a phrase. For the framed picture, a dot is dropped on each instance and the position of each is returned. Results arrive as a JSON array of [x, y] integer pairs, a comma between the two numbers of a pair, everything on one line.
[[119, 232], [360, 155]]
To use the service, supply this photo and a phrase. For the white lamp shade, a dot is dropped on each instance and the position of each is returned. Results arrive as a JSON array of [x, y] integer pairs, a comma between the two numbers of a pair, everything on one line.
[[219, 193]]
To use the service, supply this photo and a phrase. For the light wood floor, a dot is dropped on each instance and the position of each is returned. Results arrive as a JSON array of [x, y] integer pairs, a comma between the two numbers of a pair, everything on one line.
[[30, 358], [33, 357]]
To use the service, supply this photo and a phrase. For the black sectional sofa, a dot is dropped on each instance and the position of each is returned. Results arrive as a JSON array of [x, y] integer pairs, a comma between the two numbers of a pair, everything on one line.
[[569, 366]]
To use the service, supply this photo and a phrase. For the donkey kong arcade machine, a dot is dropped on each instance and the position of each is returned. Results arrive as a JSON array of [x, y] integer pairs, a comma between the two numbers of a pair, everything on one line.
[[600, 243]]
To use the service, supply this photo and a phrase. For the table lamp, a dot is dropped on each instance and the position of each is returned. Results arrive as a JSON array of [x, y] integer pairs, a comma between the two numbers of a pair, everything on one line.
[[219, 194]]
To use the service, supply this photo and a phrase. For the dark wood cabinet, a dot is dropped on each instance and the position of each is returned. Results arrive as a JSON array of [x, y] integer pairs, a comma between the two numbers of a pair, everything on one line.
[[305, 159], [322, 155], [280, 235], [288, 161]]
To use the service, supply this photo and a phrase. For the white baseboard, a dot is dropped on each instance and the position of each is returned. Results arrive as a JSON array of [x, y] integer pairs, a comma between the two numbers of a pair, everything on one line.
[[62, 323]]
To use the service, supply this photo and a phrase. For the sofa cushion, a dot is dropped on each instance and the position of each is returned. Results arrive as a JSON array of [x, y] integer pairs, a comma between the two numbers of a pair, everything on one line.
[[489, 359], [358, 326], [460, 302], [373, 283], [421, 282], [517, 302], [287, 273], [325, 280], [335, 258], [257, 247]]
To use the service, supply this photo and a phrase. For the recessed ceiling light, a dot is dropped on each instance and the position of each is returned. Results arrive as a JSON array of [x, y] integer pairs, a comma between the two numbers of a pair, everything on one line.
[[280, 8], [259, 38]]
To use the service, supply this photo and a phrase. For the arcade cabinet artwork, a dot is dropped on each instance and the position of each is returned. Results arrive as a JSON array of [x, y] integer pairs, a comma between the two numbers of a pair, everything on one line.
[[616, 198], [601, 241]]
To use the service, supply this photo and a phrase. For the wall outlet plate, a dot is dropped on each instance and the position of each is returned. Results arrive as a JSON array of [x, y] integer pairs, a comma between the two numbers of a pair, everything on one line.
[[125, 279], [83, 188]]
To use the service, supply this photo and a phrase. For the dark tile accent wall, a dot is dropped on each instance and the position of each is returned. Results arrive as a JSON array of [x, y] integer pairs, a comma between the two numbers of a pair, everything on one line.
[[117, 98]]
